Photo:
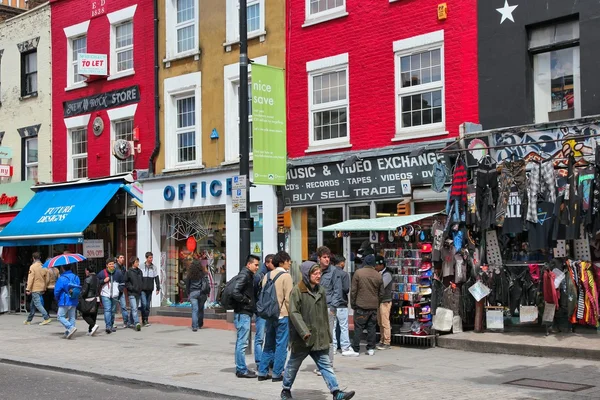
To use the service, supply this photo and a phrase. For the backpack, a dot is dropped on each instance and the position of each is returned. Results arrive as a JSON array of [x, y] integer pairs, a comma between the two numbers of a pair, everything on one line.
[[74, 289], [226, 294], [267, 306]]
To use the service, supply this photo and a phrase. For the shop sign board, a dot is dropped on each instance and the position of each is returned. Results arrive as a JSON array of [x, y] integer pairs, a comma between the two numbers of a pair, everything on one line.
[[93, 248], [91, 64], [6, 171], [102, 101], [381, 177], [15, 195], [6, 152], [268, 125]]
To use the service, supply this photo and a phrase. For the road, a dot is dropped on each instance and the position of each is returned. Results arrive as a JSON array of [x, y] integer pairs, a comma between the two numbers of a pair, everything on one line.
[[18, 382]]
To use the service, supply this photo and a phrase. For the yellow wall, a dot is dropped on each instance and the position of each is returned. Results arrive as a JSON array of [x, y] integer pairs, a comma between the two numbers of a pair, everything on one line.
[[211, 63]]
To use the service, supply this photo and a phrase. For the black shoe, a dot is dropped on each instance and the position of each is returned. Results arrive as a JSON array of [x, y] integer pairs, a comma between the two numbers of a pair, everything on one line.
[[108, 331], [286, 394], [264, 378], [339, 395], [249, 374], [280, 379]]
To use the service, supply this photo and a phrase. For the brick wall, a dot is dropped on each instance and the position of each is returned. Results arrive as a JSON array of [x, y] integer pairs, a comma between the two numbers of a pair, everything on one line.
[[367, 35]]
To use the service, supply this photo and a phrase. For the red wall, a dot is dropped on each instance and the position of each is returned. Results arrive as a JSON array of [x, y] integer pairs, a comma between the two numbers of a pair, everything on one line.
[[70, 12], [367, 35]]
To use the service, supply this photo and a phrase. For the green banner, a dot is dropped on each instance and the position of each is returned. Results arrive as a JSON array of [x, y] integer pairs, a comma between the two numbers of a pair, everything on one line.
[[268, 125]]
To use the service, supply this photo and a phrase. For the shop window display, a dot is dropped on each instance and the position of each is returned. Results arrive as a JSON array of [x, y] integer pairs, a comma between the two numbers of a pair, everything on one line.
[[189, 236]]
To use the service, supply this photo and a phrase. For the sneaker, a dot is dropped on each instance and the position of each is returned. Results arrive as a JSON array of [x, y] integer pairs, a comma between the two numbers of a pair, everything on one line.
[[94, 329], [45, 322], [349, 352], [278, 379], [370, 352], [114, 329], [108, 331], [339, 395], [382, 346], [26, 322], [247, 374], [71, 332], [317, 372], [88, 334], [196, 330], [264, 378], [138, 327], [146, 324], [286, 394]]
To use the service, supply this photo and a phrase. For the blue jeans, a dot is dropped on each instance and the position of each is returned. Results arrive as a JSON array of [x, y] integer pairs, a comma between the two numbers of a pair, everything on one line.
[[197, 299], [321, 358], [276, 341], [242, 324], [146, 299], [69, 312], [36, 304], [133, 316], [110, 309], [341, 320], [123, 303], [259, 339]]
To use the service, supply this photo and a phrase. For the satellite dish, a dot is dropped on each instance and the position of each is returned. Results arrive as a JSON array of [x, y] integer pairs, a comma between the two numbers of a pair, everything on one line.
[[98, 126], [122, 149]]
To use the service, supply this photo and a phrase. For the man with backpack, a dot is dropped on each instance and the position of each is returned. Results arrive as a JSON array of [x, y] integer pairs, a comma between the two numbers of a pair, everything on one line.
[[242, 299], [66, 292], [110, 279], [259, 324], [273, 306]]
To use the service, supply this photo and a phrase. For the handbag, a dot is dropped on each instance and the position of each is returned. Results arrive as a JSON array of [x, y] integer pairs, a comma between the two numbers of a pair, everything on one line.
[[88, 306]]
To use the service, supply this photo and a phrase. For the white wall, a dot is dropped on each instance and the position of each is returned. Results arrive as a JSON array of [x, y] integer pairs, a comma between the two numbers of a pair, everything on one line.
[[18, 113]]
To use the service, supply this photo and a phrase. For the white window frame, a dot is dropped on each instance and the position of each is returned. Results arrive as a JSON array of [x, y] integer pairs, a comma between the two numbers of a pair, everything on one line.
[[232, 16], [75, 123], [74, 32], [231, 73], [115, 19], [171, 32], [319, 67], [176, 88], [26, 160], [404, 47], [115, 115], [323, 16]]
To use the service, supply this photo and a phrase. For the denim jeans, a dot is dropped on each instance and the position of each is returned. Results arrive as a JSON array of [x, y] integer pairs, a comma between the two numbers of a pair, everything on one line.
[[242, 324], [341, 320], [259, 339], [321, 358], [134, 310], [36, 304], [146, 299], [197, 299], [110, 309], [69, 312], [365, 319], [277, 334], [332, 318], [123, 303]]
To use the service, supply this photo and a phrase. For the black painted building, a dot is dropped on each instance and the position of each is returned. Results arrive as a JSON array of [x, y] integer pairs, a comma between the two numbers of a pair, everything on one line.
[[539, 61]]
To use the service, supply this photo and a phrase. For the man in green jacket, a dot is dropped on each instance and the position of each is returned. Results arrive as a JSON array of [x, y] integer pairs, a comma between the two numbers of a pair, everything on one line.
[[309, 331]]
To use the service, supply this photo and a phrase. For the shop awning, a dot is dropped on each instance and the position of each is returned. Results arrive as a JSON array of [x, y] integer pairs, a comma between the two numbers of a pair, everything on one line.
[[58, 214], [376, 224], [5, 218]]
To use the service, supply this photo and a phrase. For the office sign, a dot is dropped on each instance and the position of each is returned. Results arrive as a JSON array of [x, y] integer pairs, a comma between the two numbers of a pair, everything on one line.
[[102, 101], [268, 125], [374, 178], [92, 64]]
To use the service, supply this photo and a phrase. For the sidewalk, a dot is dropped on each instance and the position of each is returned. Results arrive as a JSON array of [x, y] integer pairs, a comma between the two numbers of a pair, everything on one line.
[[169, 355]]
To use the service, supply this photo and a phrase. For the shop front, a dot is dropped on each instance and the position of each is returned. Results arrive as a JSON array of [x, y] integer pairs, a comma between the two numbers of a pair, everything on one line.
[[190, 217], [323, 191]]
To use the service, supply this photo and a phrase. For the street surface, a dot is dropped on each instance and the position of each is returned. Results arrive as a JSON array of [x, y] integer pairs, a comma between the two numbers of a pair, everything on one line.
[[203, 361], [43, 384]]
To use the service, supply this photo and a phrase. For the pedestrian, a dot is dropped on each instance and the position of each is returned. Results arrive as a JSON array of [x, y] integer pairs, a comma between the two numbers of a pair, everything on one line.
[[120, 265], [198, 288], [37, 280], [340, 302], [133, 284], [243, 309], [53, 274], [277, 329], [110, 279], [310, 333], [385, 308], [367, 293], [150, 280], [88, 303], [66, 292], [259, 323]]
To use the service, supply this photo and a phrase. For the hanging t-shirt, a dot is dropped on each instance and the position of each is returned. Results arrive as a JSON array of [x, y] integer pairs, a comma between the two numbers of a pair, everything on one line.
[[471, 206], [540, 233], [513, 221]]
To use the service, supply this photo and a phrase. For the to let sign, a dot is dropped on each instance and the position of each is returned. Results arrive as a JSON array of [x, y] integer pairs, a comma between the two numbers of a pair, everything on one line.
[[93, 248], [91, 64]]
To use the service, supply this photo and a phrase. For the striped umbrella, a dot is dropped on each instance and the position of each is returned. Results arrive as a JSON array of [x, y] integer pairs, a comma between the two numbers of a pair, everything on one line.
[[63, 259]]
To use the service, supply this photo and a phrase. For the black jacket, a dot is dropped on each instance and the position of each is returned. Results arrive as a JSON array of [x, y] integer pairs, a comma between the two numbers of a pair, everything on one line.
[[90, 287], [243, 293], [134, 281], [201, 285]]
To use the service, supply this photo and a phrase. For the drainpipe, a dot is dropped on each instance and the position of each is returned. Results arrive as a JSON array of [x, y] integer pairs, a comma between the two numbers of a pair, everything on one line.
[[152, 161]]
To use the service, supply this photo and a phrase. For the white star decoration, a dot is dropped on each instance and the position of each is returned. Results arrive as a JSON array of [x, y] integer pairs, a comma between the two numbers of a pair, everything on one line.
[[506, 11]]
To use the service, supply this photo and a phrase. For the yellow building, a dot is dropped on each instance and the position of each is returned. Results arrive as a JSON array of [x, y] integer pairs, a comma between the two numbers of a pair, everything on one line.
[[190, 195]]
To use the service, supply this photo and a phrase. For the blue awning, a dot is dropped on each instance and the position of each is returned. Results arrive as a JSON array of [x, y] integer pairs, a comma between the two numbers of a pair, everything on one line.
[[58, 214]]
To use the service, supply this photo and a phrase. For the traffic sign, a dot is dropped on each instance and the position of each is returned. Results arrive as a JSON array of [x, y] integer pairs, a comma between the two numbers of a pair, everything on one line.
[[239, 182]]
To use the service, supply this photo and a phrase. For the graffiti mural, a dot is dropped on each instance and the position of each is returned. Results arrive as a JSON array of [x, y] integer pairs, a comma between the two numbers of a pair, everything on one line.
[[572, 140]]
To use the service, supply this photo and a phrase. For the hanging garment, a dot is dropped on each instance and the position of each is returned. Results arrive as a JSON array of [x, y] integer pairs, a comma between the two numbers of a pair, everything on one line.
[[487, 179], [439, 177], [590, 315], [512, 173], [585, 189], [467, 309], [541, 182], [513, 217], [451, 299], [572, 292], [448, 260], [573, 203], [596, 197], [472, 214], [550, 293], [437, 231], [459, 184], [540, 232]]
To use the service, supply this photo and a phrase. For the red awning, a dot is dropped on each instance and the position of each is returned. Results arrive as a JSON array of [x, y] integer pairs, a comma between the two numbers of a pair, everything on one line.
[[5, 218]]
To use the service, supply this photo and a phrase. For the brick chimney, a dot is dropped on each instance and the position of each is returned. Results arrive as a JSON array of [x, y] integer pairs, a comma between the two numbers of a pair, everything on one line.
[[7, 12]]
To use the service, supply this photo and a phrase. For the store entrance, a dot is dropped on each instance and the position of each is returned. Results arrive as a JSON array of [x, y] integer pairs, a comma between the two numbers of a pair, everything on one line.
[[331, 215]]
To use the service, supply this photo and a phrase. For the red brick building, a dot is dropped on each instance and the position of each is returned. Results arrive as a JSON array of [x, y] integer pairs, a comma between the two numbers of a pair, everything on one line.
[[91, 112]]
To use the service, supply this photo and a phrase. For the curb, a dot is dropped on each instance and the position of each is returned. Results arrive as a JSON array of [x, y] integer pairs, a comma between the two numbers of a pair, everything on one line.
[[520, 349], [125, 378]]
